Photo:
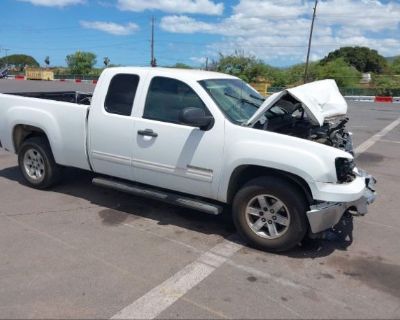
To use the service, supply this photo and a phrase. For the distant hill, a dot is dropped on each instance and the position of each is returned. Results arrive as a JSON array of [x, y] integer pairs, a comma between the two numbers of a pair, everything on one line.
[[390, 59]]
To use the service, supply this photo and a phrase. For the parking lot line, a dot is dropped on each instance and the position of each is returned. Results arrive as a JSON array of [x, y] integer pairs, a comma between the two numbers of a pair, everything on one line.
[[163, 296], [376, 137]]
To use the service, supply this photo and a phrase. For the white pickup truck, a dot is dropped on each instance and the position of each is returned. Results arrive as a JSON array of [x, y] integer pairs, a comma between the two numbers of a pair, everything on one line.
[[203, 140]]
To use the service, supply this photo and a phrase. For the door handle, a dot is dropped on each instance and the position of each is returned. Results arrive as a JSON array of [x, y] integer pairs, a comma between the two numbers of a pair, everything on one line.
[[147, 132]]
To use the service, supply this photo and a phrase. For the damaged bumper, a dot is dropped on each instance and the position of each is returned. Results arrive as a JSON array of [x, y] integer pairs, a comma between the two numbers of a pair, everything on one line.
[[325, 215]]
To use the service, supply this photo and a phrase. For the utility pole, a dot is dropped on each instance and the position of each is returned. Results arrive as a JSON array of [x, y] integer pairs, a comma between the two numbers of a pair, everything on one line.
[[207, 63], [309, 42], [6, 50], [153, 61]]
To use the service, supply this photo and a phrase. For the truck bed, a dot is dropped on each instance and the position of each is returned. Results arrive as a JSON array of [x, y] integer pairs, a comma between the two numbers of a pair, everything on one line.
[[63, 121], [65, 96]]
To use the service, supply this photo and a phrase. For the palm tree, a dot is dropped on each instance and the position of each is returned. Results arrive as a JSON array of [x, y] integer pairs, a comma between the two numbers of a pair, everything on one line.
[[47, 61]]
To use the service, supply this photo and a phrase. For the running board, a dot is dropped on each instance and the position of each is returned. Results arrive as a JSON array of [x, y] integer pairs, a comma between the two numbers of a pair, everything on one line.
[[160, 195]]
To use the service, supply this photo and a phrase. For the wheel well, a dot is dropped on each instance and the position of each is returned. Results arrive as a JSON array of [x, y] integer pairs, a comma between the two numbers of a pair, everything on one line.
[[22, 132], [243, 174]]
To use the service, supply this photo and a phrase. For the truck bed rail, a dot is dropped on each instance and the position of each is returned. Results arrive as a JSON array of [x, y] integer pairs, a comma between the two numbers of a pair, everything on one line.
[[65, 96]]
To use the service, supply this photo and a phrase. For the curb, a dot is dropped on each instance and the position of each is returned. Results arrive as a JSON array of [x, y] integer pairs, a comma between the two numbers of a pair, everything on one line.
[[361, 98], [377, 99]]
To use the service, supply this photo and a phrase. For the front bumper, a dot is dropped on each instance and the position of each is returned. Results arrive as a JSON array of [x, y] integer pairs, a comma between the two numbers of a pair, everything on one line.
[[325, 215]]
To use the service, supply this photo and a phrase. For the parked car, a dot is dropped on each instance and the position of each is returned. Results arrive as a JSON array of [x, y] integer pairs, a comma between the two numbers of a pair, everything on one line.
[[4, 72], [202, 140]]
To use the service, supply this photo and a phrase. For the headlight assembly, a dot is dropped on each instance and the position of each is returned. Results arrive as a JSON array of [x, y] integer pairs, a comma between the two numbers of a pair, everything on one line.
[[344, 169]]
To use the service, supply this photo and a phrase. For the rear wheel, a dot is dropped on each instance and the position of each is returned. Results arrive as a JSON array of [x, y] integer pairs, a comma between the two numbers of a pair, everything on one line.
[[37, 164], [270, 214]]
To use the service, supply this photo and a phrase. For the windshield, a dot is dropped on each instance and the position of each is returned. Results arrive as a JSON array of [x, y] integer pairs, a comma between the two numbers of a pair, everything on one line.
[[234, 97]]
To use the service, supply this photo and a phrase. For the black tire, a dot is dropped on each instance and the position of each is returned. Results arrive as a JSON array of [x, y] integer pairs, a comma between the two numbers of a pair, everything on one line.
[[294, 202], [51, 171]]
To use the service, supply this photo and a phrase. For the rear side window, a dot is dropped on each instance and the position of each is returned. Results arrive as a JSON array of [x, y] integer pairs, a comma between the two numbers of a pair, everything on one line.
[[121, 94], [167, 97]]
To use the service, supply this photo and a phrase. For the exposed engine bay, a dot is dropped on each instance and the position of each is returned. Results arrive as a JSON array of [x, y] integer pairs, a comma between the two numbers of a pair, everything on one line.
[[287, 116]]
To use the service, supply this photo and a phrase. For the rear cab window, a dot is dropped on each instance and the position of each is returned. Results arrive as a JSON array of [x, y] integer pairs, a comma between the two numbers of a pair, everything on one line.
[[121, 94]]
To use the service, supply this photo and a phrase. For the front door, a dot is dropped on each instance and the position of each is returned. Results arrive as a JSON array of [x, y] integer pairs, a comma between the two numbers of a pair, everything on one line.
[[170, 155]]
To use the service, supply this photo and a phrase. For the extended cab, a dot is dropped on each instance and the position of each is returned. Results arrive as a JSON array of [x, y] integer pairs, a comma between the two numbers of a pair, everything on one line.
[[201, 140]]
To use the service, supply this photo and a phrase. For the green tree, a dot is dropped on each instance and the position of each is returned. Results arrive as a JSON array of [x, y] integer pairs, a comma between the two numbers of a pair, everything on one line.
[[386, 85], [106, 61], [19, 61], [181, 65], [344, 74], [47, 61], [248, 68], [362, 58], [395, 66], [81, 62]]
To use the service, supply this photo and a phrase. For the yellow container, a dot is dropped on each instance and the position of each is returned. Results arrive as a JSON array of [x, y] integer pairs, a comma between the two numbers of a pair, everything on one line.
[[261, 84], [261, 87], [39, 74]]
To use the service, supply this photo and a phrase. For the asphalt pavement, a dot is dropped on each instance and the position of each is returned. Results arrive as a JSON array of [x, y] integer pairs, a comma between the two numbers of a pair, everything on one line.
[[80, 251]]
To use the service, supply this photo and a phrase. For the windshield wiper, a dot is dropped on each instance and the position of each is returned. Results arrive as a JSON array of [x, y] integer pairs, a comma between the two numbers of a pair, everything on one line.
[[242, 100], [255, 97]]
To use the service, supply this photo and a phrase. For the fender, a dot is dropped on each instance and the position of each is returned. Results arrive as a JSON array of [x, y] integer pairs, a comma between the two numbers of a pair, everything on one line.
[[38, 118], [311, 161]]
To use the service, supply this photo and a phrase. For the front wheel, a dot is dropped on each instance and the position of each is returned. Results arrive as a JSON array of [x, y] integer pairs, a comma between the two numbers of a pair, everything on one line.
[[270, 214], [37, 163]]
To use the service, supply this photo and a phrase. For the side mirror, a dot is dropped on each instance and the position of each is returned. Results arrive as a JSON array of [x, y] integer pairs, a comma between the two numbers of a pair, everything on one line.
[[196, 117]]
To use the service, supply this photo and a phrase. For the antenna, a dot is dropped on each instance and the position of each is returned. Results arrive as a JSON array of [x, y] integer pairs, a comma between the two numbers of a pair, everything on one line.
[[153, 61], [309, 42]]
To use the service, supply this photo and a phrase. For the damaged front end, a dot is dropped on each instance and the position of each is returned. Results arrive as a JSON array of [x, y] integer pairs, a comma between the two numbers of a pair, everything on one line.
[[317, 112], [325, 215], [314, 111]]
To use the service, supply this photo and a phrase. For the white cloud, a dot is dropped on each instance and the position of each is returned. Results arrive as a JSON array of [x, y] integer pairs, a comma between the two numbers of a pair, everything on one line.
[[360, 14], [54, 3], [185, 24], [111, 27], [198, 60], [182, 6], [272, 8], [278, 29]]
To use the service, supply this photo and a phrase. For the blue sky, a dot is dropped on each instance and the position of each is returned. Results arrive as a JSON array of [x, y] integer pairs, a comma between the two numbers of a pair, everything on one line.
[[188, 31]]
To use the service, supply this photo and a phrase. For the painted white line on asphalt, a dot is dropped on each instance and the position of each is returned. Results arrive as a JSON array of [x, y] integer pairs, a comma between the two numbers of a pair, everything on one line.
[[376, 137], [163, 296]]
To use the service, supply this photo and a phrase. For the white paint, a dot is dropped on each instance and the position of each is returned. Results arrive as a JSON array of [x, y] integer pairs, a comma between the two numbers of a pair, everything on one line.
[[376, 137], [230, 145], [320, 99], [163, 296]]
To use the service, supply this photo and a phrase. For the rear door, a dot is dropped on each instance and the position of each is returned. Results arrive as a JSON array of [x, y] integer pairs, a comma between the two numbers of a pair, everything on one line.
[[111, 126], [171, 155]]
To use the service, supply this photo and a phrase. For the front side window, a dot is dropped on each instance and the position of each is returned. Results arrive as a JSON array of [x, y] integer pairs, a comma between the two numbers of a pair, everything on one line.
[[234, 97], [167, 98], [121, 94]]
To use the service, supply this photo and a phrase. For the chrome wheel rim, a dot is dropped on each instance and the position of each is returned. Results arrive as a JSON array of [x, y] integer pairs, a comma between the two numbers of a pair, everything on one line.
[[34, 165], [267, 216]]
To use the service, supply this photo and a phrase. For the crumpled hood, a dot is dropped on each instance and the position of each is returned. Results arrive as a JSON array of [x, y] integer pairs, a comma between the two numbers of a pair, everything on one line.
[[321, 99]]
